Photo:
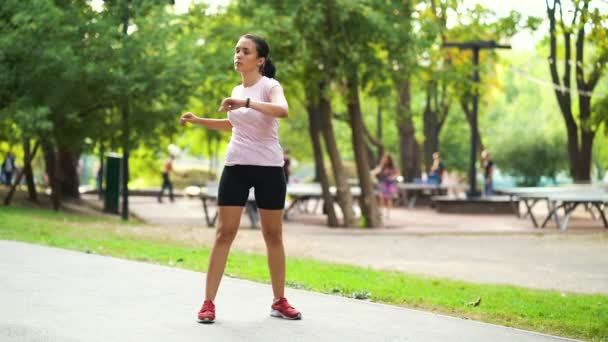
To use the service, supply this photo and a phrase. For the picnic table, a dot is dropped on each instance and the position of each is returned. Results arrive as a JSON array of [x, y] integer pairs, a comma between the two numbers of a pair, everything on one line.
[[567, 198], [529, 196], [209, 194], [300, 194], [569, 201], [412, 192]]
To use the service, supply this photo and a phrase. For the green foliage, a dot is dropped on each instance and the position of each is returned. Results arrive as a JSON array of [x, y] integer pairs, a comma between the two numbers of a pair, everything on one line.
[[455, 143], [69, 70], [600, 153], [529, 155], [66, 71]]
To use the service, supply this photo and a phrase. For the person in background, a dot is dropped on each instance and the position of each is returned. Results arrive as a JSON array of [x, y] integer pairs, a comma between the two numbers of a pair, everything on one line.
[[286, 165], [167, 184], [387, 173], [8, 168], [488, 173], [437, 170]]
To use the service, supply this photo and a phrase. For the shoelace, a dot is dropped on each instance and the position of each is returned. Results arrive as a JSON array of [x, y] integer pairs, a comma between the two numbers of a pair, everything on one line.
[[283, 303], [208, 307]]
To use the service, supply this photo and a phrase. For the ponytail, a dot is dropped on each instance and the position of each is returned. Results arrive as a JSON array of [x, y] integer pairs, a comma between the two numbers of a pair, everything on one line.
[[268, 69]]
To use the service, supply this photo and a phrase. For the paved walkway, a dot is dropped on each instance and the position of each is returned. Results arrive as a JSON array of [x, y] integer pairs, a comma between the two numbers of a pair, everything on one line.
[[498, 249], [51, 294]]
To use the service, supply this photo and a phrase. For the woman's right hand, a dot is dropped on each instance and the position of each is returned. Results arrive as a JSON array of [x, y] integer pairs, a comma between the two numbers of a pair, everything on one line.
[[187, 117]]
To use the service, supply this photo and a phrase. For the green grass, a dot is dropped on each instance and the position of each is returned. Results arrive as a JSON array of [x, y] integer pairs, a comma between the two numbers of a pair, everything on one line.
[[552, 312]]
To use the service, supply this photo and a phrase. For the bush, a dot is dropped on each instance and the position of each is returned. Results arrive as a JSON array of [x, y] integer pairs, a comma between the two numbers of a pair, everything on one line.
[[528, 155], [187, 175]]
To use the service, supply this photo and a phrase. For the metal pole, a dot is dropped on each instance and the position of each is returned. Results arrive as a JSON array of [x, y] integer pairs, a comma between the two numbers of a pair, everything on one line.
[[473, 168], [125, 122], [379, 129], [475, 46]]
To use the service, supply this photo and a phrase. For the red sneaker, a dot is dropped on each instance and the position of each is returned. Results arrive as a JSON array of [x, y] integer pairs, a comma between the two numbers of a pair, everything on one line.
[[281, 308], [207, 312]]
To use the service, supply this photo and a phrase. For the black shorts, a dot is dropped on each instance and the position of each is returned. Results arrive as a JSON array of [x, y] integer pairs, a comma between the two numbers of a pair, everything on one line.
[[268, 182]]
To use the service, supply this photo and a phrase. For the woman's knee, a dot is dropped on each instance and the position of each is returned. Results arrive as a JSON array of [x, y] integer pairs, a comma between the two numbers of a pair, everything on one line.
[[225, 234], [272, 237]]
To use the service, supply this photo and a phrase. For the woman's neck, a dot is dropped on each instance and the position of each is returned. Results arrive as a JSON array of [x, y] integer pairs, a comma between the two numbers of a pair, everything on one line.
[[250, 78]]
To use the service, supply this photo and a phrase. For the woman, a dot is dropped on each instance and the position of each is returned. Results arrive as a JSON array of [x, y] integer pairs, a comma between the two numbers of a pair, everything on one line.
[[437, 170], [386, 172], [254, 158]]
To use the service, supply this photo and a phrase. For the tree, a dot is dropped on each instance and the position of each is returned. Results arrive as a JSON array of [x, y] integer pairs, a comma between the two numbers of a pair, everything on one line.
[[68, 71], [398, 41], [587, 72], [322, 66], [356, 24], [436, 75]]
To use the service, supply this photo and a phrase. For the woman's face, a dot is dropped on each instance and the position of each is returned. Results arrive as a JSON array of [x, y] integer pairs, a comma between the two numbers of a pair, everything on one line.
[[246, 56], [386, 160]]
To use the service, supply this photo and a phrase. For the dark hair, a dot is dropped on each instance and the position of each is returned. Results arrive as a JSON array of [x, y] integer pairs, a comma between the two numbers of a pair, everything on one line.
[[263, 50], [388, 162]]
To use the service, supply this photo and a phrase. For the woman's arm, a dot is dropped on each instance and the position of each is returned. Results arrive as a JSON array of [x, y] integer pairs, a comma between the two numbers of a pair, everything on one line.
[[375, 171], [277, 107], [217, 124]]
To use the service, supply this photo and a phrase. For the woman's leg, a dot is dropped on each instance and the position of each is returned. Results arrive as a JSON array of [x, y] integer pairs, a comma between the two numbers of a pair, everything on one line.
[[389, 205], [228, 225], [272, 229]]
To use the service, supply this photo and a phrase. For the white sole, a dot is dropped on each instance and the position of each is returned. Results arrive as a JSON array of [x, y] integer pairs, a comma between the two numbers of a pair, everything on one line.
[[275, 313]]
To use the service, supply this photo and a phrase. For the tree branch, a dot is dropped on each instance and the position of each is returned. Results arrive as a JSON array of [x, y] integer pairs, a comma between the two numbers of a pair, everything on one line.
[[580, 48], [444, 107], [92, 108], [370, 138], [340, 117], [560, 93], [596, 73]]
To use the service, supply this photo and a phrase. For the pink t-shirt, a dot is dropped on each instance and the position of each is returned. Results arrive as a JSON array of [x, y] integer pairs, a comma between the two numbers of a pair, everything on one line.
[[255, 135]]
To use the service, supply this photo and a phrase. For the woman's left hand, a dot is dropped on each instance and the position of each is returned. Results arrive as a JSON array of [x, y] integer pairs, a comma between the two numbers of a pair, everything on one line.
[[231, 103]]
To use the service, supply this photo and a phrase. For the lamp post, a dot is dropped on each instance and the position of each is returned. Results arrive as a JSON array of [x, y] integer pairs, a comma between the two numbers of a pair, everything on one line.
[[125, 126], [476, 46]]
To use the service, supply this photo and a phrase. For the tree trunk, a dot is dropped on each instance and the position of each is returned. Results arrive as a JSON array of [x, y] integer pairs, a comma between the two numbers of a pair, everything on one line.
[[52, 171], [431, 139], [69, 178], [314, 129], [408, 146], [27, 164], [368, 202], [583, 168], [344, 197], [372, 142], [371, 156], [468, 112], [27, 169], [379, 132]]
